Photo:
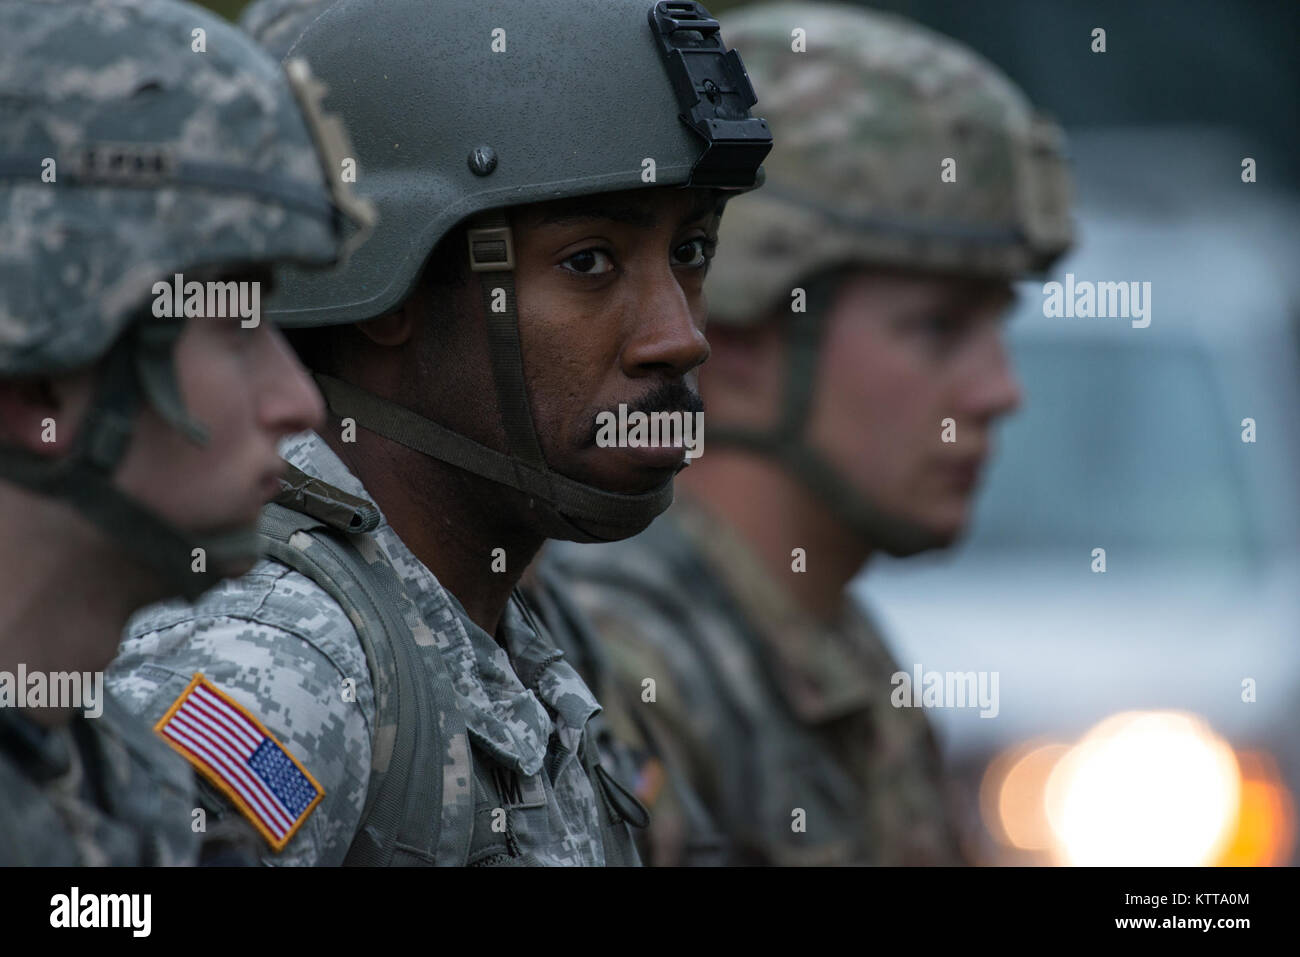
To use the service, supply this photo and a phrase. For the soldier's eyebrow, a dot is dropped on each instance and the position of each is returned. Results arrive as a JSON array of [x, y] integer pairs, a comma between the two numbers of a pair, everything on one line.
[[709, 204]]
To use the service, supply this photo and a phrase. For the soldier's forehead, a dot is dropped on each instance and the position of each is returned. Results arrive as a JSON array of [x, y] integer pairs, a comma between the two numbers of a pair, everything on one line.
[[641, 208]]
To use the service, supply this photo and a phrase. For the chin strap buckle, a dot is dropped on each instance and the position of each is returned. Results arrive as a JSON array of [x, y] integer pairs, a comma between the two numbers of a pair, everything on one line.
[[491, 249]]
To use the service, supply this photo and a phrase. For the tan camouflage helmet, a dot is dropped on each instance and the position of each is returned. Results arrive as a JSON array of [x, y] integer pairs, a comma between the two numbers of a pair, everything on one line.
[[863, 122]]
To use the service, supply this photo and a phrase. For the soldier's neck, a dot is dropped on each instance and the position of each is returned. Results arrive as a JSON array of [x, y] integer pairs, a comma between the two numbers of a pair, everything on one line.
[[67, 593], [775, 514], [447, 520]]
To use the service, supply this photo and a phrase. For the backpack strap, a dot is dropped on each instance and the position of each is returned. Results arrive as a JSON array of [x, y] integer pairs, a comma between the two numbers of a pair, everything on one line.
[[311, 529]]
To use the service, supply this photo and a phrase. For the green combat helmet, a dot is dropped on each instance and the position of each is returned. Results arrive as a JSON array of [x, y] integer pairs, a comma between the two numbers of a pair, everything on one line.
[[497, 105], [865, 116], [127, 156]]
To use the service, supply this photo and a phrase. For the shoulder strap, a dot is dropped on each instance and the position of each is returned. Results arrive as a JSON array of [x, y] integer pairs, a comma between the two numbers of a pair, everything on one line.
[[687, 567], [401, 823]]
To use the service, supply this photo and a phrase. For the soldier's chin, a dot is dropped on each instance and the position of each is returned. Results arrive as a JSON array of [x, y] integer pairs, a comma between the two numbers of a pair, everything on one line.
[[946, 534], [627, 471], [916, 535], [237, 567], [553, 523]]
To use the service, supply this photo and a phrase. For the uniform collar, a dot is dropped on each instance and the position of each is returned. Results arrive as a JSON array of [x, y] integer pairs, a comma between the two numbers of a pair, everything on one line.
[[507, 717], [823, 671]]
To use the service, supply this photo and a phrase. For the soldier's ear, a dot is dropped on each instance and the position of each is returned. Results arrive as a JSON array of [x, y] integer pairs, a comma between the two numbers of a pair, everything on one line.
[[43, 415], [393, 329]]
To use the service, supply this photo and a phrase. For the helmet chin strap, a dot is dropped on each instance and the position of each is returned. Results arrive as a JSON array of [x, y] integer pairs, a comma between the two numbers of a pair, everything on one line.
[[787, 443], [84, 477], [568, 509]]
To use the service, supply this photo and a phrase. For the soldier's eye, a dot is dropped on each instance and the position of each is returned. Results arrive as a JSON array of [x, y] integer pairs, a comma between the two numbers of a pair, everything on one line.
[[695, 253], [589, 262]]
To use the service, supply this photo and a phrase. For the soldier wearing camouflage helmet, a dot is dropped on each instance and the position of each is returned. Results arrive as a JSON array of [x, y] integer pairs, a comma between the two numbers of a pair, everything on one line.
[[137, 441], [855, 306], [549, 181]]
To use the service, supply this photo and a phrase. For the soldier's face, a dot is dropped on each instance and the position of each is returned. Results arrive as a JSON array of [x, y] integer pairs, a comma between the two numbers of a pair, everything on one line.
[[248, 389], [611, 310], [902, 354]]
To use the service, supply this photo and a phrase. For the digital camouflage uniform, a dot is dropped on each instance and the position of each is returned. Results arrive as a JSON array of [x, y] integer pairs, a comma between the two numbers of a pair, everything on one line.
[[283, 647], [126, 157], [780, 722]]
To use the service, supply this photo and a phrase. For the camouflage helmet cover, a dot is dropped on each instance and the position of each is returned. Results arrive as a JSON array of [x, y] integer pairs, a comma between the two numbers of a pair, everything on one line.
[[863, 120], [126, 155], [139, 139]]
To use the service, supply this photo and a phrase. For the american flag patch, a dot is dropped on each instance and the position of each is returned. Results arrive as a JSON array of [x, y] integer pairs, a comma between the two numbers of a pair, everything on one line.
[[234, 751]]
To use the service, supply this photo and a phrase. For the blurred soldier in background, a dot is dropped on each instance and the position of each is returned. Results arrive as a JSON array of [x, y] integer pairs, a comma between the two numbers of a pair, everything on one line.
[[509, 146], [136, 449], [855, 307]]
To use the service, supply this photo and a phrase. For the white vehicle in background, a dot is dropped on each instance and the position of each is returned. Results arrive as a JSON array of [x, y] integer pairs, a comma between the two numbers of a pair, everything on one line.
[[1131, 440]]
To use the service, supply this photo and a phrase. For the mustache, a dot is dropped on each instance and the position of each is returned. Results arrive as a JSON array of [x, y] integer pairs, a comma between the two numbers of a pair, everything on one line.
[[665, 397]]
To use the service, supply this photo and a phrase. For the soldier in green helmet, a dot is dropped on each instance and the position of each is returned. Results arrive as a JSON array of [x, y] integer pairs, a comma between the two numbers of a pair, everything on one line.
[[549, 181], [855, 306], [138, 443]]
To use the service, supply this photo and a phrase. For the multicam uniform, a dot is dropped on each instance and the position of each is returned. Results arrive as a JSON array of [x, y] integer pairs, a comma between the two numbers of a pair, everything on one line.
[[782, 724]]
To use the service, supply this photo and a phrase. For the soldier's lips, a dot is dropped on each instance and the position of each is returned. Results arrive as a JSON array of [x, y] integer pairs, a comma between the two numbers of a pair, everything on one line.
[[963, 475], [632, 471], [658, 457]]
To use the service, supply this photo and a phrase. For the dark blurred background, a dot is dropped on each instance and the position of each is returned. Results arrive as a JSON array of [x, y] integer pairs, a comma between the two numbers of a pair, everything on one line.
[[1219, 62]]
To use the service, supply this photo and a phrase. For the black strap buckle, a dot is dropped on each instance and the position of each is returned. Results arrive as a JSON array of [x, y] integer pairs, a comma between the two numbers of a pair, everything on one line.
[[714, 93]]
